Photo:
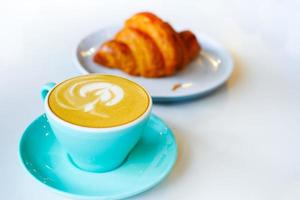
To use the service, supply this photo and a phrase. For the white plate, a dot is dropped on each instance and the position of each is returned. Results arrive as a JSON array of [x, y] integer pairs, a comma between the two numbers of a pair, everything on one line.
[[210, 70]]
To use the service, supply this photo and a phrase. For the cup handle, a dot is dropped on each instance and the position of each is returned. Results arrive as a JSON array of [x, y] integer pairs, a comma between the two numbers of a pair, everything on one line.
[[45, 89]]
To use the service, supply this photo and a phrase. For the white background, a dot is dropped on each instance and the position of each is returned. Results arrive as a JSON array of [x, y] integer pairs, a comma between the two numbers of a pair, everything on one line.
[[240, 143]]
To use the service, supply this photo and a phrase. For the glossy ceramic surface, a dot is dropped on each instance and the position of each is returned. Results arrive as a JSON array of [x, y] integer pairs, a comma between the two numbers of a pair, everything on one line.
[[94, 149], [210, 70], [149, 162]]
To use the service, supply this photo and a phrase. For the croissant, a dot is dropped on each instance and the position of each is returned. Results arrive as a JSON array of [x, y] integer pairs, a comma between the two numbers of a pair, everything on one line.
[[149, 47]]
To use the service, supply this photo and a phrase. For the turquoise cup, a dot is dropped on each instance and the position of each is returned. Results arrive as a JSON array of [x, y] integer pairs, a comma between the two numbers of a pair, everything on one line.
[[95, 149]]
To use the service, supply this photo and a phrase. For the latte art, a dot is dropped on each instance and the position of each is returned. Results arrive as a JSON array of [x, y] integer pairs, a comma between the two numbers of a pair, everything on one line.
[[108, 93], [85, 95], [98, 100]]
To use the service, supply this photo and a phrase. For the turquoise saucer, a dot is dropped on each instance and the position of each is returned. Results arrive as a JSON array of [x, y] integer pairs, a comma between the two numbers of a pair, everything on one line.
[[148, 164]]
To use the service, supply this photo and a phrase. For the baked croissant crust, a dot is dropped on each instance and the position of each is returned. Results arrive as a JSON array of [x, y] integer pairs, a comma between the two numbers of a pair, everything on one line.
[[149, 47]]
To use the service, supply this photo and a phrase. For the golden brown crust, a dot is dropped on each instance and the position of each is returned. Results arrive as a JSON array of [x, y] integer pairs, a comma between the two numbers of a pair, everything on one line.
[[115, 54], [149, 61], [147, 46], [164, 37], [191, 46]]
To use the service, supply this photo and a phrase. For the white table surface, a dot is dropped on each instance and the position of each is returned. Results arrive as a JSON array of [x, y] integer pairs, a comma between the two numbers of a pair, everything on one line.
[[242, 142]]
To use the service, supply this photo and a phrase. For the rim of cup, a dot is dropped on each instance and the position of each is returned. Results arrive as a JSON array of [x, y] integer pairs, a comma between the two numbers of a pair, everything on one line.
[[96, 129]]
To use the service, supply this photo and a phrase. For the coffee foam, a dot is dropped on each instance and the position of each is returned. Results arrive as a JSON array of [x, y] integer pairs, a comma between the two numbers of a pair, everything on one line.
[[105, 93], [98, 100]]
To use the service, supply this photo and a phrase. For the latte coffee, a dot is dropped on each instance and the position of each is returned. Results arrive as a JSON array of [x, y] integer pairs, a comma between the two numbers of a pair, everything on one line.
[[98, 101]]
